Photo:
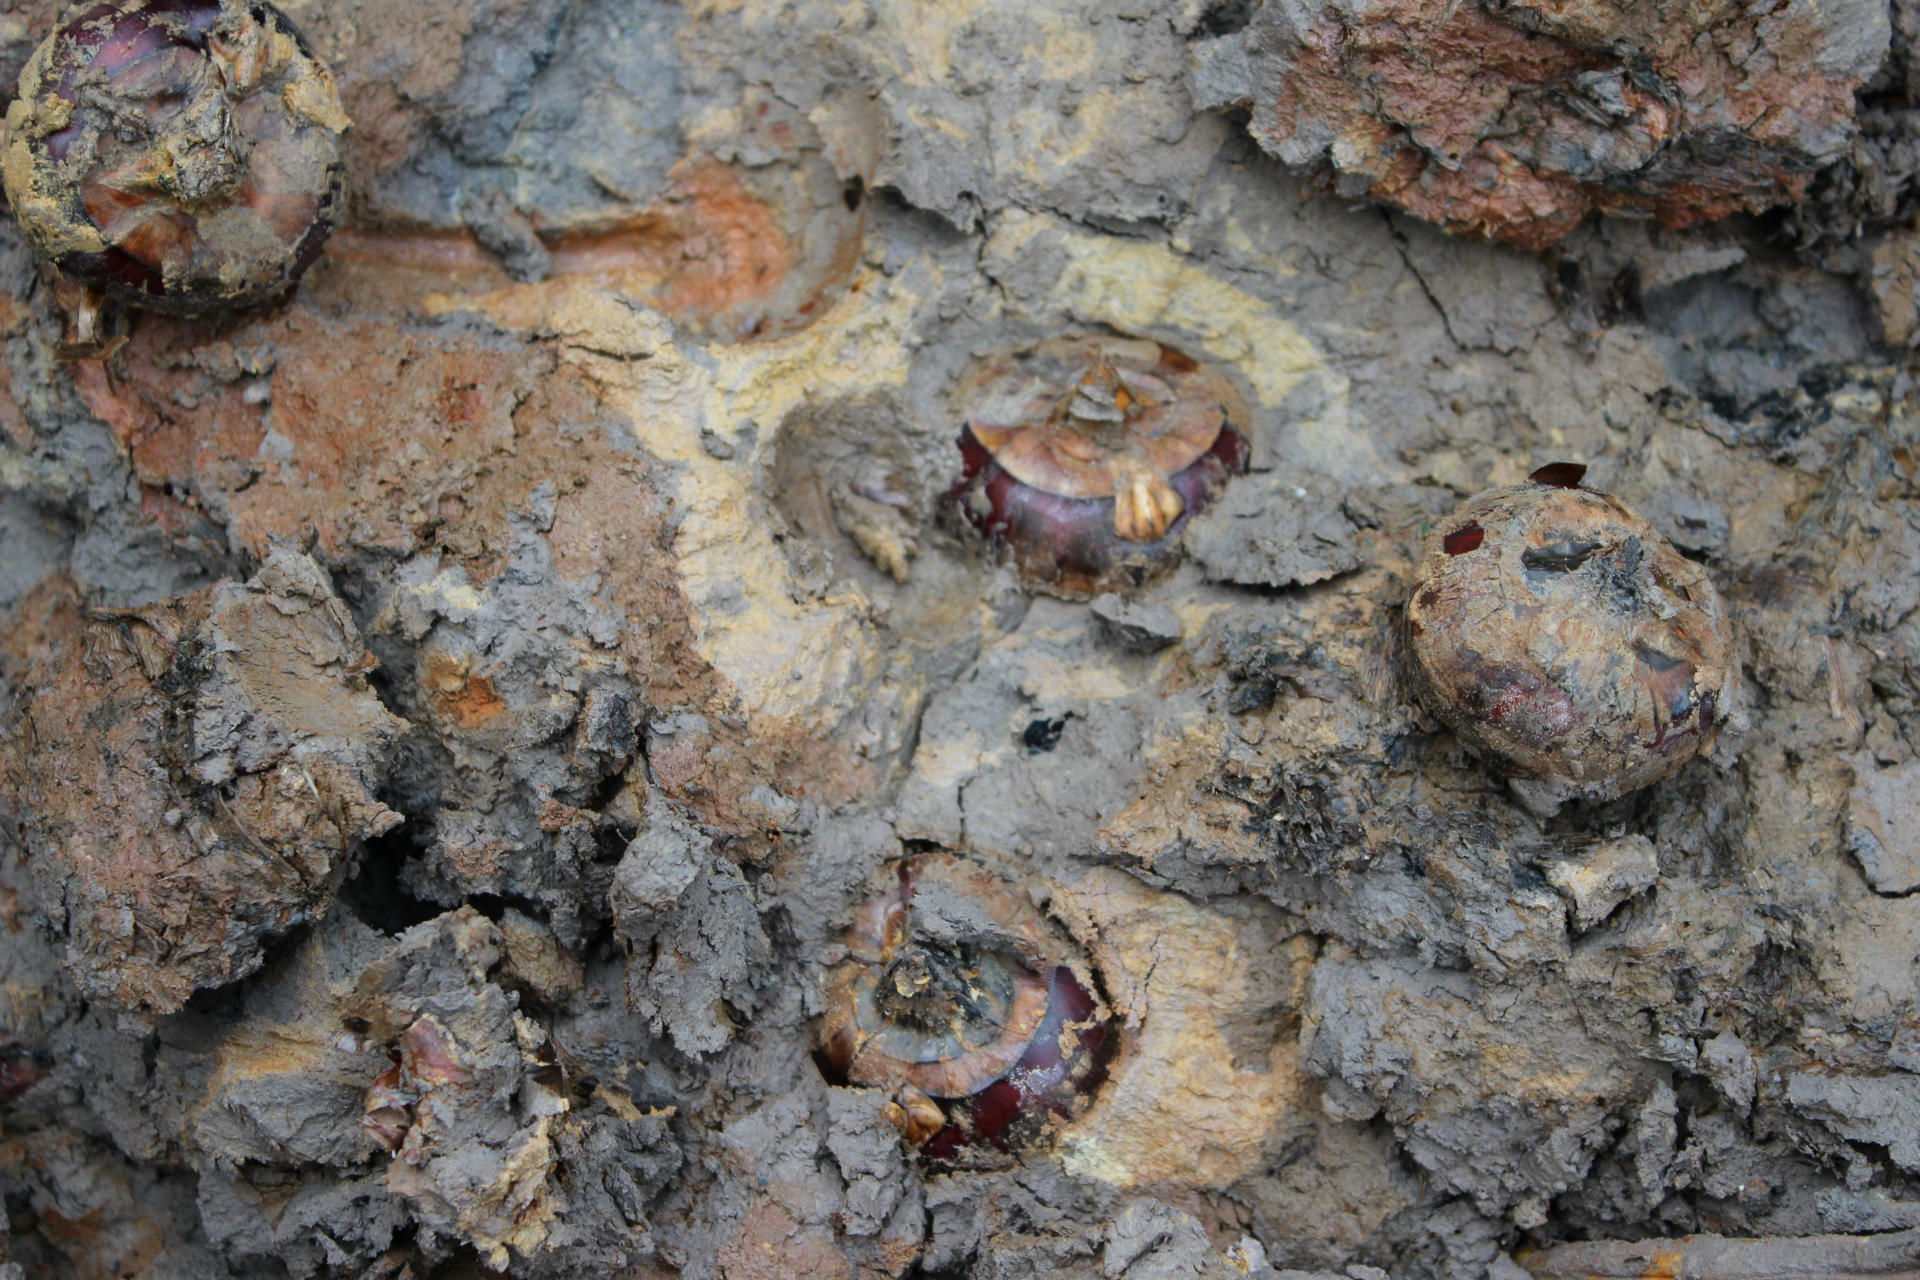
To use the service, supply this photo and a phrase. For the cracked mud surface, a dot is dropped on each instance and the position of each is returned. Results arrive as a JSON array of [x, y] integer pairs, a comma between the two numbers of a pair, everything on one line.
[[450, 718]]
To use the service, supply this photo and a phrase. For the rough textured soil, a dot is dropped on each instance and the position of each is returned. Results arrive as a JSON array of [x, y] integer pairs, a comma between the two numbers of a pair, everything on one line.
[[450, 717]]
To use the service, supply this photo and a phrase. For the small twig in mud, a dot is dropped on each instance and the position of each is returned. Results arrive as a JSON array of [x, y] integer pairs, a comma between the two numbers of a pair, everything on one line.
[[1890, 1256]]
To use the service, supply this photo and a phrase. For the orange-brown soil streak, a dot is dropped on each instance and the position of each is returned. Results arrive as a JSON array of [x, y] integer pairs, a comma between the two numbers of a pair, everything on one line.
[[712, 244], [470, 700]]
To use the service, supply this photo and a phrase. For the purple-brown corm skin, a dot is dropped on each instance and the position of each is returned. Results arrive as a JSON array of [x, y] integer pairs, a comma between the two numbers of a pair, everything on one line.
[[180, 155], [1084, 504], [985, 1043], [1069, 543], [1065, 1063], [1554, 628]]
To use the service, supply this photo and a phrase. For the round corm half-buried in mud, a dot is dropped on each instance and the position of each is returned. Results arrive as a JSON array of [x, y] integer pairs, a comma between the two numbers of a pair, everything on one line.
[[958, 997], [180, 155], [1551, 626], [1083, 459]]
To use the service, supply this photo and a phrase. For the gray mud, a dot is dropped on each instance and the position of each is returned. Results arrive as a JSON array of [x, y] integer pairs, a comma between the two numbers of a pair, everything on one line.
[[449, 718]]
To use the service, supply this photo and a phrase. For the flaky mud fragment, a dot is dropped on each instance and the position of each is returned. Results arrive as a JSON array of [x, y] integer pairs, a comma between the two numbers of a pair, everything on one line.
[[1275, 531], [396, 1080], [693, 931], [1597, 879], [1293, 765], [1380, 1037], [222, 753], [779, 1200], [1884, 825]]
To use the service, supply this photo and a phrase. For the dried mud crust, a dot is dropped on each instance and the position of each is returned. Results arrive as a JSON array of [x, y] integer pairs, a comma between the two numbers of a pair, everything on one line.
[[1513, 121], [516, 523], [218, 756]]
